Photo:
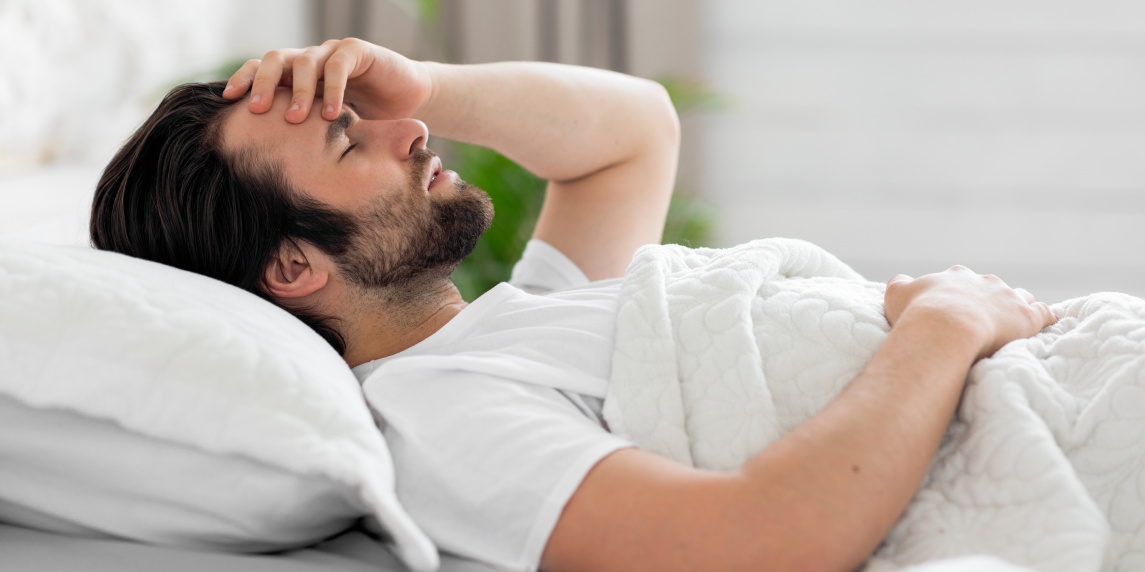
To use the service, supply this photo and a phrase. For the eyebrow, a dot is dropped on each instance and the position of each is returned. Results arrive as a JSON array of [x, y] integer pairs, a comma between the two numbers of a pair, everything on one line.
[[337, 127]]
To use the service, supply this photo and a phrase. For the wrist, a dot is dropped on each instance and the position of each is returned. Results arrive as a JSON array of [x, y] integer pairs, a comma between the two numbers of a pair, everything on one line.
[[952, 327], [430, 73]]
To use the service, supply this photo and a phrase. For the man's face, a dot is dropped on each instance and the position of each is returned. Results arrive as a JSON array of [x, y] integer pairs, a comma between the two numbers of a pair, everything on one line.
[[412, 216]]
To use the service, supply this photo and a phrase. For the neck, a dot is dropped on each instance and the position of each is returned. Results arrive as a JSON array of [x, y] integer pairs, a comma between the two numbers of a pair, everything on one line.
[[384, 324]]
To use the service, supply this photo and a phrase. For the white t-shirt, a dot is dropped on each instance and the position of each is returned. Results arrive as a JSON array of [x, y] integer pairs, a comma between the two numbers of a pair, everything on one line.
[[494, 420]]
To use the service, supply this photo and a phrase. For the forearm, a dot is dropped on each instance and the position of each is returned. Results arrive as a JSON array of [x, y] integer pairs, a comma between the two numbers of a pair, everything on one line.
[[559, 122], [845, 476]]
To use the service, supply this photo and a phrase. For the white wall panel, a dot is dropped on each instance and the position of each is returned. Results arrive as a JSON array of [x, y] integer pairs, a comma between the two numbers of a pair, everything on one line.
[[906, 135], [762, 78], [1072, 16], [960, 159]]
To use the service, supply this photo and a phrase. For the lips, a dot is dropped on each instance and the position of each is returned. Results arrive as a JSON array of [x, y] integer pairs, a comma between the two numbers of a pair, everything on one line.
[[434, 171]]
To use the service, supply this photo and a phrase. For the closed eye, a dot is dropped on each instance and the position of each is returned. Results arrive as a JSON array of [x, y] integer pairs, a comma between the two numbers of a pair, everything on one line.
[[347, 151]]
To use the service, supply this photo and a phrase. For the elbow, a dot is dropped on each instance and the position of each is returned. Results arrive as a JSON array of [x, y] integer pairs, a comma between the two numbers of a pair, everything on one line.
[[663, 114], [649, 112]]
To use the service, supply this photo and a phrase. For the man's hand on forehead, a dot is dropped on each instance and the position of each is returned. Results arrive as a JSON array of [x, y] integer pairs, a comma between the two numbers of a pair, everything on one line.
[[383, 84]]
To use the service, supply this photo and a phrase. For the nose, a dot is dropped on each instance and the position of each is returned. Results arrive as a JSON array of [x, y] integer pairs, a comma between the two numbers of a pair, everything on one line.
[[403, 136], [409, 135]]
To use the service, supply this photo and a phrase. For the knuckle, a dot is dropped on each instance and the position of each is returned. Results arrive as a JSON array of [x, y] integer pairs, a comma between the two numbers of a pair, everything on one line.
[[355, 44], [265, 79], [274, 55], [305, 59], [1038, 314]]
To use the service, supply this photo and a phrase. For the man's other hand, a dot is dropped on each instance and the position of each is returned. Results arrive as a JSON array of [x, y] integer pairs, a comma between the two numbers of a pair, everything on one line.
[[983, 305]]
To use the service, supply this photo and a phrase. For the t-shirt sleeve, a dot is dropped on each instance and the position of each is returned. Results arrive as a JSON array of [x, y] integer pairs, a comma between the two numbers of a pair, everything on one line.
[[543, 269], [485, 465]]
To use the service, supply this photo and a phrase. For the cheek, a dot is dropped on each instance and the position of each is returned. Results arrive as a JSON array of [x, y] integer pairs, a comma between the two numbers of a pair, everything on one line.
[[314, 181]]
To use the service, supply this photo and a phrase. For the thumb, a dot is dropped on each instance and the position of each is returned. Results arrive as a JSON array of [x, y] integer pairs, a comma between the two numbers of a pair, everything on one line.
[[899, 280]]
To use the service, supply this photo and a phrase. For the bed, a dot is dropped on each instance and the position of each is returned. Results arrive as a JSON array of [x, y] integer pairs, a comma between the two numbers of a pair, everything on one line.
[[156, 419]]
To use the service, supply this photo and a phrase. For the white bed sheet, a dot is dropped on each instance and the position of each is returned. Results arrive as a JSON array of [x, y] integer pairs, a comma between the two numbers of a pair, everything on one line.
[[27, 550]]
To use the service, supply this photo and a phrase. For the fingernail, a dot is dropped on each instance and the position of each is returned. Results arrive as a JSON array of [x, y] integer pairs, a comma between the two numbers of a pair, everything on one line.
[[256, 98], [228, 88], [329, 109], [295, 107]]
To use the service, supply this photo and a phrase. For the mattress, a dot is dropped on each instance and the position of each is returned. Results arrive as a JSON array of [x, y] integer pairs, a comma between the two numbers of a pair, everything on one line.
[[27, 550]]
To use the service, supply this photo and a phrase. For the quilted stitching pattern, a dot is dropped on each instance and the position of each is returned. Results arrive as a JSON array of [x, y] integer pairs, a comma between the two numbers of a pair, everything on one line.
[[720, 352]]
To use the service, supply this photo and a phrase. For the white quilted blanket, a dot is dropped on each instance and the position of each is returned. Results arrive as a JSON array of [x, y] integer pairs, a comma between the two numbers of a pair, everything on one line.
[[721, 352]]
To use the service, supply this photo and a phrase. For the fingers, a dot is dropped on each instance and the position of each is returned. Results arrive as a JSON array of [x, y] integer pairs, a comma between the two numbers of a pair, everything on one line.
[[897, 297], [1044, 314], [337, 73], [263, 76], [899, 280], [239, 82], [1047, 315], [1025, 295], [308, 69], [302, 69]]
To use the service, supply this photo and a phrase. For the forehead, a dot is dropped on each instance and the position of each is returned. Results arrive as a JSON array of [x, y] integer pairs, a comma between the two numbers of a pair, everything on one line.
[[269, 131]]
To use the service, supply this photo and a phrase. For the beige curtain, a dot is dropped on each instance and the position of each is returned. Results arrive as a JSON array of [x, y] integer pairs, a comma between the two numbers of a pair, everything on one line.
[[643, 37]]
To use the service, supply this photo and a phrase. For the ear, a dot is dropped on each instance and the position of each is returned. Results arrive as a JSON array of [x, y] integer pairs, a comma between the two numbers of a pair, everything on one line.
[[295, 271]]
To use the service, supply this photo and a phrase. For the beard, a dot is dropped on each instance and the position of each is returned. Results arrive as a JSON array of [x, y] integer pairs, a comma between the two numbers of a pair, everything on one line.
[[411, 241]]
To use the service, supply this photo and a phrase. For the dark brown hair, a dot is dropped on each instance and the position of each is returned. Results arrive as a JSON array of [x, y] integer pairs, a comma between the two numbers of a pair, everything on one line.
[[173, 196]]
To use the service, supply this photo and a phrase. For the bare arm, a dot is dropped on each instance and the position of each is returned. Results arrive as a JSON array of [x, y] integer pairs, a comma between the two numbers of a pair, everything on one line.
[[607, 142], [821, 497]]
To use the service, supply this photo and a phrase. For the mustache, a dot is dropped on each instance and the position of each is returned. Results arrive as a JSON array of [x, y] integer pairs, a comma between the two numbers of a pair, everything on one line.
[[420, 162]]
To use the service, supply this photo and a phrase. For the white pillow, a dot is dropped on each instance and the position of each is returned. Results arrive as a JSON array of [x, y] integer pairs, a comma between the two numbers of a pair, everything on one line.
[[155, 404]]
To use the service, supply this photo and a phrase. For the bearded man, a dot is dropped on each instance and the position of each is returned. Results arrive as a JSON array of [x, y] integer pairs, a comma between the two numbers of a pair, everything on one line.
[[307, 180]]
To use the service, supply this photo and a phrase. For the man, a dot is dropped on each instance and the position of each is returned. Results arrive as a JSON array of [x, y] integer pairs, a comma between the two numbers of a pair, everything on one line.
[[317, 192]]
